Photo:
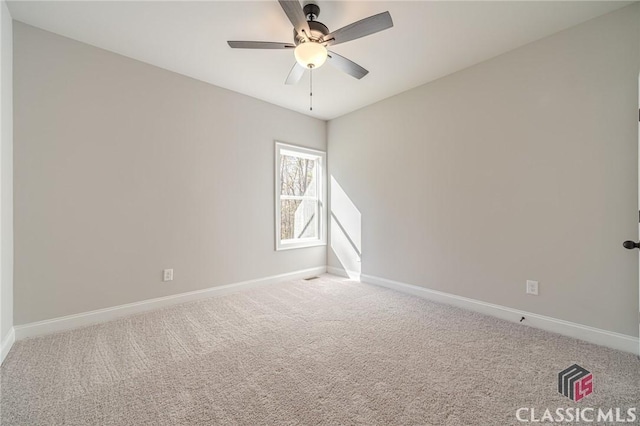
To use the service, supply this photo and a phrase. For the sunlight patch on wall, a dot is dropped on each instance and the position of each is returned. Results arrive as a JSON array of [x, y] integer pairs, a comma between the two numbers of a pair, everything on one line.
[[346, 230]]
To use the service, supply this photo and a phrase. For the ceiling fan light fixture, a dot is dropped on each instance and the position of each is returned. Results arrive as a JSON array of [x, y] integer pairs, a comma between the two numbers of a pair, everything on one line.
[[310, 54]]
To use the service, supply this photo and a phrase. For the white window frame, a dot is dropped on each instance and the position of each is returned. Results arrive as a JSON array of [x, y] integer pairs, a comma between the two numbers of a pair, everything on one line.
[[321, 190]]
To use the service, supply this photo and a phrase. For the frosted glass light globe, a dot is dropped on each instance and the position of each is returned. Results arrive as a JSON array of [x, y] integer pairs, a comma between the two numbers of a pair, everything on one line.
[[310, 54]]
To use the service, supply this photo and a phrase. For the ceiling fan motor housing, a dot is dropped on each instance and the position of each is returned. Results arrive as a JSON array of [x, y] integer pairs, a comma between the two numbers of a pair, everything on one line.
[[318, 29]]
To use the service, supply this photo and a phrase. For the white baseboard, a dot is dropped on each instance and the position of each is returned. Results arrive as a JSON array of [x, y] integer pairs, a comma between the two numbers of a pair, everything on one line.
[[101, 315], [6, 344], [341, 272], [337, 271], [598, 336], [590, 334]]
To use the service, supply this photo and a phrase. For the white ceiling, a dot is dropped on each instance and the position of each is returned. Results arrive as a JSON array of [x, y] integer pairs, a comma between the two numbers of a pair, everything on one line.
[[429, 40]]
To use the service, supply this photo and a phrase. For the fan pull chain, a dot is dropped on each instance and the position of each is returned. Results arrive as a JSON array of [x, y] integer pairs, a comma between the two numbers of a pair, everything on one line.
[[310, 88]]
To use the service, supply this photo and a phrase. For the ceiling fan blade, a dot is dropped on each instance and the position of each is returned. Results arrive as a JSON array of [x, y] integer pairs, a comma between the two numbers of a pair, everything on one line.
[[362, 28], [295, 74], [259, 45], [346, 65], [295, 14]]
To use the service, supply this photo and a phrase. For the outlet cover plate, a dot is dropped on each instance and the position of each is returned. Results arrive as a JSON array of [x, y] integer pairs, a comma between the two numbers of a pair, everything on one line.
[[167, 275], [532, 287]]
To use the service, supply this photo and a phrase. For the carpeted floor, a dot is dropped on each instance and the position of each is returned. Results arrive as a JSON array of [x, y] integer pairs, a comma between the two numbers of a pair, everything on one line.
[[327, 351]]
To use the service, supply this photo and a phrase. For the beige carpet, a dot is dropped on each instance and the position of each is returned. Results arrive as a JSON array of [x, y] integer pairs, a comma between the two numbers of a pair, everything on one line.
[[328, 351]]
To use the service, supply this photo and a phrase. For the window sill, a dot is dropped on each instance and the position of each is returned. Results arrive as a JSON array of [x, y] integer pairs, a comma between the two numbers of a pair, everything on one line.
[[297, 245]]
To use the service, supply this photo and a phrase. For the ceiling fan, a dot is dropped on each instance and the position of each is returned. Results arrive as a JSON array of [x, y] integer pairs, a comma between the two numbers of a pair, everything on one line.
[[311, 39]]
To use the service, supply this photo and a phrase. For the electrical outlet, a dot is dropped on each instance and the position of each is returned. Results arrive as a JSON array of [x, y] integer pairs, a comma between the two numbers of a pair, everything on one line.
[[532, 287], [167, 275]]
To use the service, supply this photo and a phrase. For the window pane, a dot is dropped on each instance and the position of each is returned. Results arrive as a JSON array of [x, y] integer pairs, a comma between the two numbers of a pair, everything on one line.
[[298, 176], [298, 219], [299, 197]]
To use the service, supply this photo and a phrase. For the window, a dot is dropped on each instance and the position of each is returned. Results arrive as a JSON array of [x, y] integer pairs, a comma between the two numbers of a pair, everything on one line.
[[300, 193]]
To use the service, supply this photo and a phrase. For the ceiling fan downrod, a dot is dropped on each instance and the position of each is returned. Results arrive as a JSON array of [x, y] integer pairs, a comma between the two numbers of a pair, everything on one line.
[[311, 11]]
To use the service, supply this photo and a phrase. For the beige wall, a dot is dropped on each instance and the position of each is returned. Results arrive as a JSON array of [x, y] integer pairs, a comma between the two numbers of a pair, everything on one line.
[[6, 173], [522, 167], [123, 169]]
